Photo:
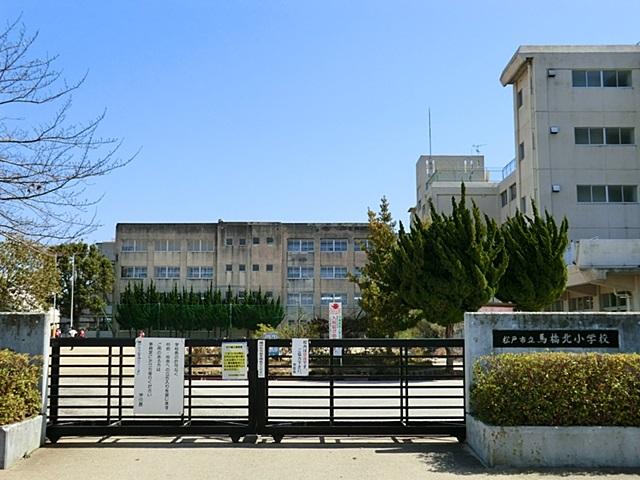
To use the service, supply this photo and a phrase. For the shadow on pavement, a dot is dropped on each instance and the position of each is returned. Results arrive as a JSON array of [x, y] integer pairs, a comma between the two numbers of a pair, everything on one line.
[[438, 454]]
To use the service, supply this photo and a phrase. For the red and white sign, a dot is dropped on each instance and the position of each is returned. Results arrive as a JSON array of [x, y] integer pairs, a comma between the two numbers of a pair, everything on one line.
[[335, 324]]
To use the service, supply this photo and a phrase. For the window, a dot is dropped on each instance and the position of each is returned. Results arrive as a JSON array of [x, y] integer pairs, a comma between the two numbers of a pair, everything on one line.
[[361, 245], [521, 151], [580, 303], [200, 245], [327, 298], [604, 136], [242, 294], [512, 192], [586, 78], [607, 193], [242, 242], [167, 245], [134, 246], [269, 267], [294, 273], [523, 204], [167, 272], [268, 294], [242, 267], [333, 245], [613, 302], [601, 78], [228, 242], [199, 272], [300, 298], [228, 267], [133, 272], [299, 246], [331, 272], [256, 240], [519, 98], [269, 240], [503, 198], [357, 299], [357, 272], [255, 267]]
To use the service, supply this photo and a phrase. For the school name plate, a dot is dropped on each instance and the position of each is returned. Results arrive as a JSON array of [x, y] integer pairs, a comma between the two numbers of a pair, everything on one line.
[[555, 339]]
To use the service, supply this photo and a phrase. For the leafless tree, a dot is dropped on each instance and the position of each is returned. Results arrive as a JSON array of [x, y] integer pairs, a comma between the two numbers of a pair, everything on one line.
[[45, 159]]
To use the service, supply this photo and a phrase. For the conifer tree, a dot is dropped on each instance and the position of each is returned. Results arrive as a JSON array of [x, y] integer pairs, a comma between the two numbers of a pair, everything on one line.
[[385, 314], [448, 267], [537, 273]]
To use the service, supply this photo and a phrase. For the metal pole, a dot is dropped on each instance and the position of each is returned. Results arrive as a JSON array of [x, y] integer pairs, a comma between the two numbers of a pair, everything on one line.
[[73, 281]]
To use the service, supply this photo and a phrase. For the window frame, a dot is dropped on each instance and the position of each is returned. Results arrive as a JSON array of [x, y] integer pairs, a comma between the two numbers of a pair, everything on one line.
[[302, 245], [329, 245], [137, 272], [202, 272], [138, 245], [303, 272]]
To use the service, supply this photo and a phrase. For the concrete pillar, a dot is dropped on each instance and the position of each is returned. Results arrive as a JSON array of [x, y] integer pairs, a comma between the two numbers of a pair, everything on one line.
[[29, 333]]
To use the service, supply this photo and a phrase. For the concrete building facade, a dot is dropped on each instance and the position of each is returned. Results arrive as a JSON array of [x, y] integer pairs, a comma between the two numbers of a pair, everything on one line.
[[576, 126], [576, 117], [304, 264]]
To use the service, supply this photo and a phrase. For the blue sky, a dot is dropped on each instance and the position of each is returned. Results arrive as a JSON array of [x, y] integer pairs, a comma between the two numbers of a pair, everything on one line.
[[295, 110]]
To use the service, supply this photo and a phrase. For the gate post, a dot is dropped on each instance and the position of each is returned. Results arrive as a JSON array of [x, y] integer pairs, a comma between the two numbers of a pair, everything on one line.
[[54, 391], [257, 393]]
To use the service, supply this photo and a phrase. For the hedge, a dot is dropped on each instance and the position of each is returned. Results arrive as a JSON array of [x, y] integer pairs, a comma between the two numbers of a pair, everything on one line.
[[19, 392], [557, 389]]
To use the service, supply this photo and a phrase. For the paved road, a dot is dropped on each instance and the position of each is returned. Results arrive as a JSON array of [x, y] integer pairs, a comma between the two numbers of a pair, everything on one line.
[[117, 458], [196, 458]]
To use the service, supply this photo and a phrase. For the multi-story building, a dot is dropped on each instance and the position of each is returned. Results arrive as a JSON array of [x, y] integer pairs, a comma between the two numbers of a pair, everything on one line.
[[438, 179], [306, 265], [576, 117], [576, 121]]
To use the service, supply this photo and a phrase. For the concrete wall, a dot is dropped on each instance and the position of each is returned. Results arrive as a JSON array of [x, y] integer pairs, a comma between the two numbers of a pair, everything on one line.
[[478, 328], [20, 439], [29, 333], [548, 446]]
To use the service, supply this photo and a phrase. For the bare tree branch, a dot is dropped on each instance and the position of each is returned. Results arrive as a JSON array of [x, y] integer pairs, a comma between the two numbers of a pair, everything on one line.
[[44, 166]]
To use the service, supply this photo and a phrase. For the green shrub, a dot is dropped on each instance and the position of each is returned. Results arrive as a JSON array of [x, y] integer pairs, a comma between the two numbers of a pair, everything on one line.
[[557, 389], [19, 393]]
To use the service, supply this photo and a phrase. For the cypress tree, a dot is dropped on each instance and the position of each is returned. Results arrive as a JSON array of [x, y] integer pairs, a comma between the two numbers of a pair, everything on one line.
[[537, 273], [450, 266]]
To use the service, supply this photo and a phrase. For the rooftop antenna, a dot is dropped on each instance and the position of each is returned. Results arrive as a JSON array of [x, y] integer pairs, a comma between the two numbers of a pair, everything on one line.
[[475, 148], [429, 132]]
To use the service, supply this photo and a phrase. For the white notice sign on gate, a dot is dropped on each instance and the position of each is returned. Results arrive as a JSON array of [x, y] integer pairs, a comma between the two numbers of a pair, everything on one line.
[[300, 357], [159, 376]]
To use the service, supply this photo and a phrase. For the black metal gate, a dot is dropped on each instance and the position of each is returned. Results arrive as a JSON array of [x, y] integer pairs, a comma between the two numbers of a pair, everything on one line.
[[371, 387]]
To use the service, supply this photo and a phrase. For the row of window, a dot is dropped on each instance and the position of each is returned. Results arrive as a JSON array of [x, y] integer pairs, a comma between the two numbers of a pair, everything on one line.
[[132, 245], [328, 272], [228, 242], [192, 272], [608, 302], [301, 245], [601, 78], [293, 245], [590, 194], [512, 195], [604, 136], [607, 193], [305, 299]]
